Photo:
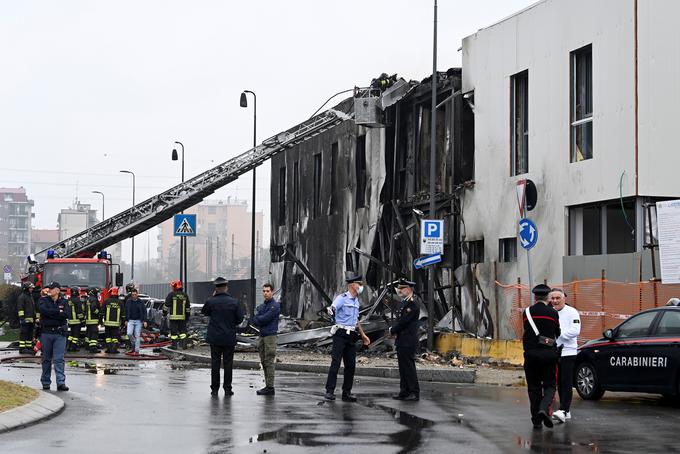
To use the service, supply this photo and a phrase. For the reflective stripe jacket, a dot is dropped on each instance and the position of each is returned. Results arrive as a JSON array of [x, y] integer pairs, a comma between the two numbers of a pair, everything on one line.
[[113, 312], [76, 306], [26, 308], [177, 306], [92, 311]]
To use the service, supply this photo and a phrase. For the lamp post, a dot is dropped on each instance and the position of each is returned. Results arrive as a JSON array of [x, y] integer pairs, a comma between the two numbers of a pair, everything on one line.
[[433, 168], [102, 194], [182, 240], [132, 261], [244, 103]]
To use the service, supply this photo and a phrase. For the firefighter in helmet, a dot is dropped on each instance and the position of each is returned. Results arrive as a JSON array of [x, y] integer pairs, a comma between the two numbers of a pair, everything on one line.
[[113, 315], [92, 320], [177, 308], [27, 316], [74, 320]]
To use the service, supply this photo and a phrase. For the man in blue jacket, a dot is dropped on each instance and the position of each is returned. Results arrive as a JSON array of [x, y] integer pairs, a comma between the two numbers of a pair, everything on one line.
[[267, 320], [225, 314], [135, 317], [54, 311]]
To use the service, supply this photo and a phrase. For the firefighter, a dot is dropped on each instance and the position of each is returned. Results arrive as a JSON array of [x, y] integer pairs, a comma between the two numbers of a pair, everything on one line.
[[27, 317], [113, 317], [177, 308], [83, 326], [92, 320], [76, 316]]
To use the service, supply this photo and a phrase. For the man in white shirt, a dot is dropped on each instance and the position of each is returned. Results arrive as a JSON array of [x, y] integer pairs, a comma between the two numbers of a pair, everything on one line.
[[570, 328]]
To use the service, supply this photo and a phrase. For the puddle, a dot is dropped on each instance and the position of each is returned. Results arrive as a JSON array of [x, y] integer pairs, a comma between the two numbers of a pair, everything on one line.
[[286, 437]]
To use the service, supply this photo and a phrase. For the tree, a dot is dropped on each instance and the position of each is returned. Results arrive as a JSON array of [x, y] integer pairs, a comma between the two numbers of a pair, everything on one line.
[[8, 304]]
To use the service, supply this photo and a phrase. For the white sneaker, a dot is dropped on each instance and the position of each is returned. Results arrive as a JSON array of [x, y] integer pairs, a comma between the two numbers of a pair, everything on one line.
[[560, 415], [567, 416]]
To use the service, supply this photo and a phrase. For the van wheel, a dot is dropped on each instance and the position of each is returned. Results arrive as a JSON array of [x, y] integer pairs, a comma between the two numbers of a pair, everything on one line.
[[587, 384]]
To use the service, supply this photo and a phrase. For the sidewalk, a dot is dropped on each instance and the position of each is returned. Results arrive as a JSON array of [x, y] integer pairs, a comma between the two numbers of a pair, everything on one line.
[[439, 374], [44, 407]]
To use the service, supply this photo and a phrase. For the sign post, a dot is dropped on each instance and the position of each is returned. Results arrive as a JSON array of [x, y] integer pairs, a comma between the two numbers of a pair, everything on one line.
[[528, 236]]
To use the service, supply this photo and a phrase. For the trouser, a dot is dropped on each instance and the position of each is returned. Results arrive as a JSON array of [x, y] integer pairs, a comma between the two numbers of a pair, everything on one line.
[[540, 369], [92, 335], [134, 332], [111, 335], [267, 349], [408, 377], [178, 331], [26, 335], [344, 349], [53, 347], [73, 337], [565, 380], [221, 355]]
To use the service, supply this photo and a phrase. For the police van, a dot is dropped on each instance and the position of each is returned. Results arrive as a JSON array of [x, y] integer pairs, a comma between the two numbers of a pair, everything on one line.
[[641, 354]]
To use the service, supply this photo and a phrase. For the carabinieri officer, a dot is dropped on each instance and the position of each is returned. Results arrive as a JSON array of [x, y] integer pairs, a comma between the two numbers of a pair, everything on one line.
[[346, 309], [406, 330]]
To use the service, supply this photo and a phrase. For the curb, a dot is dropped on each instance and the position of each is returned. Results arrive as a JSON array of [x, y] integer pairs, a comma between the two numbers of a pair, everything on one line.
[[434, 375], [44, 407]]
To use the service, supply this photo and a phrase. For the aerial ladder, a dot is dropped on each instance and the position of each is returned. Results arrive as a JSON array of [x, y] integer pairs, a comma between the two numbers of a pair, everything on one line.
[[163, 206]]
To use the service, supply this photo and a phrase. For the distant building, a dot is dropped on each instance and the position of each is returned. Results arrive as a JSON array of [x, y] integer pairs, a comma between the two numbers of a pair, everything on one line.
[[74, 220], [41, 239], [16, 212]]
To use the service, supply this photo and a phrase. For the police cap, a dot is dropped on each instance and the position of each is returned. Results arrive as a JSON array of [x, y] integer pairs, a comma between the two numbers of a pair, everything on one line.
[[403, 282], [53, 285], [352, 278], [541, 290], [220, 282]]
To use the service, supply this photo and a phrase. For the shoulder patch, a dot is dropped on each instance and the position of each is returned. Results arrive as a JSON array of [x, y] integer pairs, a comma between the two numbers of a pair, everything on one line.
[[576, 321]]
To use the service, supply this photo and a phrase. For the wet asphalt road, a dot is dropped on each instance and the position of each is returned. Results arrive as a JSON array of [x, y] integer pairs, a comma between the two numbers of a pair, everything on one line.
[[155, 406]]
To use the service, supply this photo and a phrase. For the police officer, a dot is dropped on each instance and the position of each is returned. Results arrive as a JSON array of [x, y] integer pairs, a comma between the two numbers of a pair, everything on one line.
[[177, 308], [406, 330], [112, 310], [346, 309], [27, 316], [541, 330], [54, 311], [74, 320], [225, 314], [92, 320]]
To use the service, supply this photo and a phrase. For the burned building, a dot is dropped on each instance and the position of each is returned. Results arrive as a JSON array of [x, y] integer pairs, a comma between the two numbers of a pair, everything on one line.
[[351, 198]]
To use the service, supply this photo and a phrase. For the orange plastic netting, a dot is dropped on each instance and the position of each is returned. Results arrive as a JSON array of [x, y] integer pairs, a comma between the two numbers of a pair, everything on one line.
[[602, 304]]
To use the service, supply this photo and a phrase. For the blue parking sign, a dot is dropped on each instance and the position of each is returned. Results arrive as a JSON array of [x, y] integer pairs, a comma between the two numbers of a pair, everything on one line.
[[431, 236]]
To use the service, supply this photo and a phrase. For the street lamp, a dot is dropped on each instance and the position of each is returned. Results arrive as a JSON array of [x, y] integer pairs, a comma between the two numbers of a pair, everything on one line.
[[244, 103], [102, 194], [132, 265], [182, 240]]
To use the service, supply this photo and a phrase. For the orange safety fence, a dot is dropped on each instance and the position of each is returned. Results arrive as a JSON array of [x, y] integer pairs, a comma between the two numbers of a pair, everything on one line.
[[602, 304]]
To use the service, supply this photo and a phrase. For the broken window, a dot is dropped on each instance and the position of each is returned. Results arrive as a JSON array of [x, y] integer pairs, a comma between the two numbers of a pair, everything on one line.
[[316, 209], [282, 196], [475, 251], [519, 123], [360, 159], [620, 227], [334, 178], [582, 104], [603, 228], [507, 250], [296, 192]]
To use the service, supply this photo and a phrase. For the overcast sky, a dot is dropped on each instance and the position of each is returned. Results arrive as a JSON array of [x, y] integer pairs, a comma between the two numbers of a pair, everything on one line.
[[88, 88]]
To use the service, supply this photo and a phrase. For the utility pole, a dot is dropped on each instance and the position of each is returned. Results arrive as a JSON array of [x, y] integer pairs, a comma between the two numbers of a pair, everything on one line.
[[433, 167]]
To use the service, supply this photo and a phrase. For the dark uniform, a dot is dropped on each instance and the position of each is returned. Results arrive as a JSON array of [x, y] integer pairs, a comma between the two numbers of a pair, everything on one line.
[[113, 315], [225, 314], [540, 360], [406, 330], [27, 315], [74, 320], [92, 321], [178, 308]]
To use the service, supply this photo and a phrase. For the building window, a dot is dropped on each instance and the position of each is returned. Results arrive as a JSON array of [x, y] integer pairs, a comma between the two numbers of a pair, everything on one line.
[[507, 250], [317, 186], [296, 192], [282, 196], [361, 171], [475, 251], [334, 178], [519, 123], [212, 210], [603, 228], [582, 104]]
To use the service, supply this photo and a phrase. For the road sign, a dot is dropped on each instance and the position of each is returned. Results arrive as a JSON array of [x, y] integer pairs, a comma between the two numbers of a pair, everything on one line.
[[8, 277], [668, 215], [185, 225], [7, 269], [428, 260], [431, 236], [528, 233]]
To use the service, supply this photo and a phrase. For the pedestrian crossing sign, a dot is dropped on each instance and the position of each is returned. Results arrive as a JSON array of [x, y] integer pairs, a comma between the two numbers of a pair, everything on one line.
[[185, 225]]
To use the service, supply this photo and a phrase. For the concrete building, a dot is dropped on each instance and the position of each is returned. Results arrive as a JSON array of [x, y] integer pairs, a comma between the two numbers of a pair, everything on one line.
[[580, 98], [221, 245], [73, 220], [43, 238], [16, 213]]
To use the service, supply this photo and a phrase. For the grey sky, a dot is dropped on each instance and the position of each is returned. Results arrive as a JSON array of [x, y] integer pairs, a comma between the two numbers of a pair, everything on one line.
[[91, 87]]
